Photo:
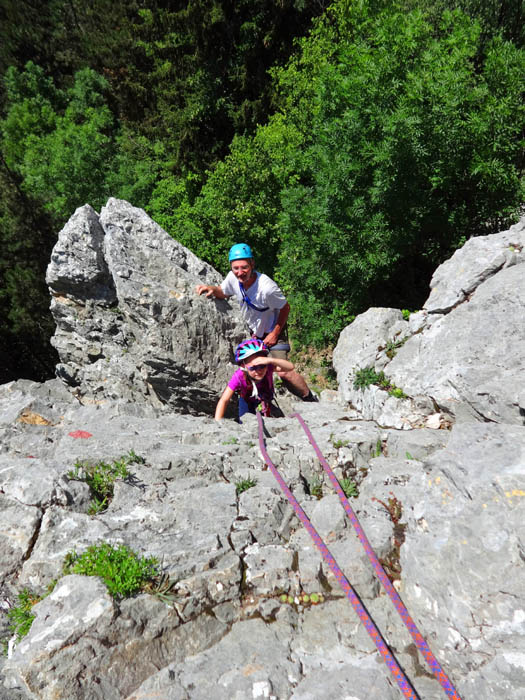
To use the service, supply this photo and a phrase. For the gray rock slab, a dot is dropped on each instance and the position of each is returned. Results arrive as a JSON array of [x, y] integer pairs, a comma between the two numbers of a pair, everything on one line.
[[129, 322], [479, 259], [35, 482], [468, 523], [19, 526], [363, 345], [252, 661], [78, 267], [471, 362], [352, 681], [82, 612]]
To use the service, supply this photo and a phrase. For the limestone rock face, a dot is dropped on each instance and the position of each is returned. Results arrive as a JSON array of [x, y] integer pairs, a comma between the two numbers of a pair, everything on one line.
[[460, 358], [129, 323], [443, 508], [246, 607]]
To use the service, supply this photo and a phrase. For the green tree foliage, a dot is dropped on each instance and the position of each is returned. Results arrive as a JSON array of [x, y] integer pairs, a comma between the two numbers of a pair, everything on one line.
[[414, 146], [407, 138], [61, 143], [505, 17], [26, 237], [240, 200], [63, 36], [203, 67]]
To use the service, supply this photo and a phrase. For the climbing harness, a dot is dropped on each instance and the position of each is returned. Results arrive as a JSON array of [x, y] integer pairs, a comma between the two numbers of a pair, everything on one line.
[[402, 681], [248, 301]]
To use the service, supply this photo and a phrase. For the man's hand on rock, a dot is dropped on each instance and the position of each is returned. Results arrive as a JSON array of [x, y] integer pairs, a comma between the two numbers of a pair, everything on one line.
[[211, 291], [204, 289]]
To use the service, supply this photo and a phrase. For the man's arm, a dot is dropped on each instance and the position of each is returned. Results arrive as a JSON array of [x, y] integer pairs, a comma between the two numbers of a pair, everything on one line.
[[210, 291], [273, 336]]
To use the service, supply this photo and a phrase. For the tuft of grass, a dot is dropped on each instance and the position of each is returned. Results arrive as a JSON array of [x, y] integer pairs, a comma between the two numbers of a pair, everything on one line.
[[101, 477], [123, 571], [393, 346], [244, 485], [349, 487], [338, 443], [231, 441], [162, 587], [315, 486]]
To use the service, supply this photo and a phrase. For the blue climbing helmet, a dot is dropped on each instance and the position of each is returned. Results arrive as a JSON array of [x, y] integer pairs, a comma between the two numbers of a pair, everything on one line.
[[240, 251], [248, 348]]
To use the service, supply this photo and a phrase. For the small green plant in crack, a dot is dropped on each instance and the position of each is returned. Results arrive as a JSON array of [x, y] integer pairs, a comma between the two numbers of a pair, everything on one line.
[[366, 376], [302, 599], [244, 485], [315, 486], [162, 587], [21, 615], [379, 448], [101, 477], [393, 346], [397, 393], [123, 571], [338, 443], [349, 487], [231, 441]]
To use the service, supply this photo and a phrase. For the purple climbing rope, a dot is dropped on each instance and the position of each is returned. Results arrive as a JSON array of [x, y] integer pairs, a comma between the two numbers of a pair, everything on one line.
[[375, 634], [398, 603]]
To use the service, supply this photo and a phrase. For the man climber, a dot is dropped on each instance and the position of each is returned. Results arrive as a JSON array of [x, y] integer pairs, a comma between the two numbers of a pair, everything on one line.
[[264, 308]]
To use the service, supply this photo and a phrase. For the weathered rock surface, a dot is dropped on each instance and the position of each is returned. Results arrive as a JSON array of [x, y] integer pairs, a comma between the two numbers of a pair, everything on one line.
[[129, 324], [442, 504], [461, 357]]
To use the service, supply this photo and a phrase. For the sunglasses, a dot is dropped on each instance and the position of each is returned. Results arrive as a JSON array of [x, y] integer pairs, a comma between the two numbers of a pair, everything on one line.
[[252, 368]]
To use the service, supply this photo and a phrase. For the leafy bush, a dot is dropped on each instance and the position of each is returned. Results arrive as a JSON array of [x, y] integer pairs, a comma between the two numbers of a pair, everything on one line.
[[123, 571], [366, 376]]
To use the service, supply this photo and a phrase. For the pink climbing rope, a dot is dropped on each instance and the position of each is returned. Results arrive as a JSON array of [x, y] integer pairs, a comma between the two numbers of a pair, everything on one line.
[[375, 634], [398, 603]]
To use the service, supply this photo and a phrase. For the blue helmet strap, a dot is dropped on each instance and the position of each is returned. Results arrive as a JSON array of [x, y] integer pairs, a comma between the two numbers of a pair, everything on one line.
[[248, 301]]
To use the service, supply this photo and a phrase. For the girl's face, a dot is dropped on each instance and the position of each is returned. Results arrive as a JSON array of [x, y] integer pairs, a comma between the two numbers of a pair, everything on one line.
[[255, 371]]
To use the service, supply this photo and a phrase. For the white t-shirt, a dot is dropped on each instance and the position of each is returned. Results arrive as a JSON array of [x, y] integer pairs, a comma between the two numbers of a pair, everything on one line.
[[263, 293]]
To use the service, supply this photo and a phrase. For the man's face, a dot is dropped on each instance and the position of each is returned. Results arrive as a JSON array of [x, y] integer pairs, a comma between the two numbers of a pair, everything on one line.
[[242, 269]]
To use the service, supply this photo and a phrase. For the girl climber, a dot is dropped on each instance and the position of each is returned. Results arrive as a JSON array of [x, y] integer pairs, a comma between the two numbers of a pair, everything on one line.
[[253, 381]]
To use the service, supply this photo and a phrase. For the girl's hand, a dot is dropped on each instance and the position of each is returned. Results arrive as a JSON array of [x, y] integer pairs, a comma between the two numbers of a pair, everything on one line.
[[257, 362]]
